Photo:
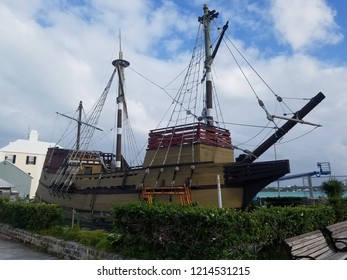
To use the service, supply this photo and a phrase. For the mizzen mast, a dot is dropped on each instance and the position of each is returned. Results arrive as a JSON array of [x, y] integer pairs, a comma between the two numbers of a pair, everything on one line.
[[120, 64]]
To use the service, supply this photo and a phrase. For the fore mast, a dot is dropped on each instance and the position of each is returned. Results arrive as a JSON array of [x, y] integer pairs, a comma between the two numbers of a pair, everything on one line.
[[120, 64]]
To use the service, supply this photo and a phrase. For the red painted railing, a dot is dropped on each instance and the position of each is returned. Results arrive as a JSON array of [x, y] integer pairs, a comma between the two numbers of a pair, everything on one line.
[[187, 134]]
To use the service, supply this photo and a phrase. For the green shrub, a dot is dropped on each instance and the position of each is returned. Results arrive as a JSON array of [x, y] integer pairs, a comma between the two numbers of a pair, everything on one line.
[[171, 231], [32, 216], [285, 201], [99, 239], [340, 207], [168, 231]]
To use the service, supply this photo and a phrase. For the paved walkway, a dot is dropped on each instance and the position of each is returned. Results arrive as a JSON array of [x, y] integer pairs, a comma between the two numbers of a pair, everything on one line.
[[11, 250]]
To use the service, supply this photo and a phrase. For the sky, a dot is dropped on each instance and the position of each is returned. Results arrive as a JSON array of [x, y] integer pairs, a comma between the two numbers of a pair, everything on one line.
[[55, 53]]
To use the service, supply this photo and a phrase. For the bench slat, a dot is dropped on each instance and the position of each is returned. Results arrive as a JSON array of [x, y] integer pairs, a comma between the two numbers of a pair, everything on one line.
[[312, 245], [339, 256], [306, 236], [320, 250], [318, 244], [338, 231], [337, 226]]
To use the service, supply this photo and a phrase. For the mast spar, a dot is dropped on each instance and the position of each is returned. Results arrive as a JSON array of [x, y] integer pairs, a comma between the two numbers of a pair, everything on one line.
[[79, 124], [120, 64]]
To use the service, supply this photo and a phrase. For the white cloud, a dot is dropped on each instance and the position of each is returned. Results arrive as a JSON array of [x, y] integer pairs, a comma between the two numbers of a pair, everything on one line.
[[305, 24], [52, 57]]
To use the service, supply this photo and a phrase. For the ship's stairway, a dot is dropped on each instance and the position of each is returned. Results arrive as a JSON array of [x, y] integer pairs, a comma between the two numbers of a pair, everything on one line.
[[184, 193]]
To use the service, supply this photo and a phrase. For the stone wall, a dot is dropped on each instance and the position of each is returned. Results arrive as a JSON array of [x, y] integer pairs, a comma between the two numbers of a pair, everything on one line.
[[62, 249]]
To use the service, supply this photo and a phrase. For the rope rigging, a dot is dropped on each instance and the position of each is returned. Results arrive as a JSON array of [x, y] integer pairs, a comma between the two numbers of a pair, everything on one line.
[[186, 105], [67, 173], [279, 99]]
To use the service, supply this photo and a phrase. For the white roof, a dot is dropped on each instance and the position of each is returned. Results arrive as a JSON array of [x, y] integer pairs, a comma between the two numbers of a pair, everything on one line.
[[28, 146]]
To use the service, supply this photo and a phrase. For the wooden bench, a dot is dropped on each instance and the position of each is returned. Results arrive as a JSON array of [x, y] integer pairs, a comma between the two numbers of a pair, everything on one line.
[[312, 246], [338, 235]]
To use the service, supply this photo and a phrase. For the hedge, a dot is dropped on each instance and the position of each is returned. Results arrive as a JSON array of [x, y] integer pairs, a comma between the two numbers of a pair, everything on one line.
[[169, 231], [31, 216]]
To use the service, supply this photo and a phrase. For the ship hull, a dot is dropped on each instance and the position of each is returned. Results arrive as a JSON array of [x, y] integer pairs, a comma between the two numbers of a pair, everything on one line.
[[96, 194]]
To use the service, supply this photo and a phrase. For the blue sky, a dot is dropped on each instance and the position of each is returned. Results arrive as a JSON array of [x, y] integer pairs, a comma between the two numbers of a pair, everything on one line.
[[55, 53]]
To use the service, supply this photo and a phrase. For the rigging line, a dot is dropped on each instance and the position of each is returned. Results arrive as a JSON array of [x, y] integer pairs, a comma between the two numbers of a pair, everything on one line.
[[255, 71], [132, 139], [161, 140], [293, 139], [172, 135], [243, 73], [174, 100], [189, 78], [194, 57], [174, 79], [54, 129], [267, 135], [256, 135], [260, 102], [68, 131], [115, 45], [299, 98], [152, 82], [249, 125], [238, 64], [193, 88], [279, 98], [219, 113], [103, 135]]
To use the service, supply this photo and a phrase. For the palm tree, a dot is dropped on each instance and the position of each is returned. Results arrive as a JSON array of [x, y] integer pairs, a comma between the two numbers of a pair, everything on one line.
[[333, 189]]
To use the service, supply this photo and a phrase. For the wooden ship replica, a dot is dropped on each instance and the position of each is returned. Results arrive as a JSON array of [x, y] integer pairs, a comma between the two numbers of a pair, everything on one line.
[[188, 162]]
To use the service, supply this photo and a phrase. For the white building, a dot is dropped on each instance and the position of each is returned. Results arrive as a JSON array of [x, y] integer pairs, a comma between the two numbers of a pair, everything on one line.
[[28, 155]]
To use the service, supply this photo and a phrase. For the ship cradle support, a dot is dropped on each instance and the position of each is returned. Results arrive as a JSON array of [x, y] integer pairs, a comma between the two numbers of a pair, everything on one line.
[[184, 193]]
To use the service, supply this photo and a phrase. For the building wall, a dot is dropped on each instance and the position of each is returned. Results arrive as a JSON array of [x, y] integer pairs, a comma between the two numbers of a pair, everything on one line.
[[29, 156], [14, 175], [33, 170]]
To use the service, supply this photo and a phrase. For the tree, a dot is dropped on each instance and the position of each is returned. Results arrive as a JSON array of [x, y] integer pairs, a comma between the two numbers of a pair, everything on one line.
[[333, 189]]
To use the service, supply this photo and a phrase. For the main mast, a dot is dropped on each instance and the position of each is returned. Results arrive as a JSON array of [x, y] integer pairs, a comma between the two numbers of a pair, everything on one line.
[[209, 56], [206, 21], [120, 64]]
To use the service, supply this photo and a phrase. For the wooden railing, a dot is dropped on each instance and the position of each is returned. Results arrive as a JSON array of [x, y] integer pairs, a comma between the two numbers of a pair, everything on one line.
[[187, 134]]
